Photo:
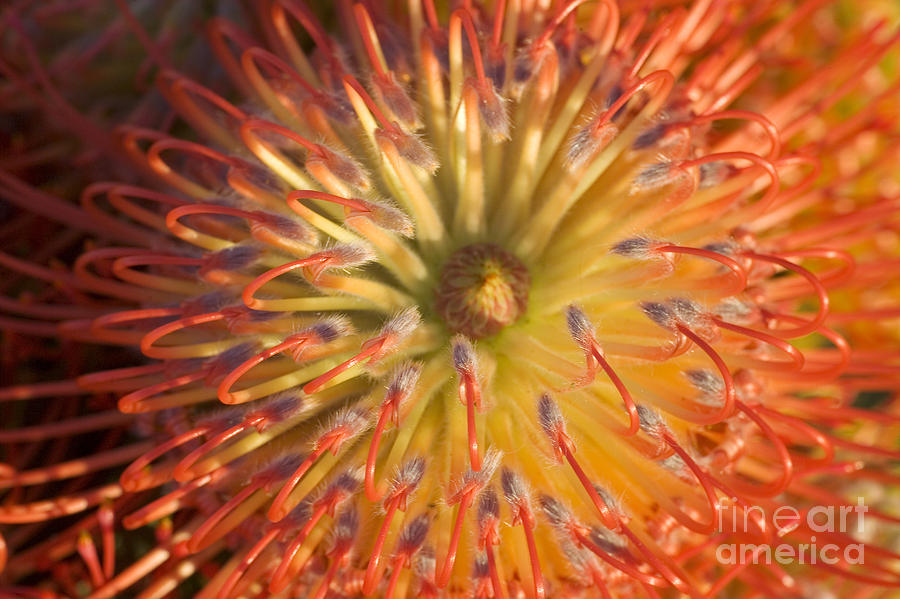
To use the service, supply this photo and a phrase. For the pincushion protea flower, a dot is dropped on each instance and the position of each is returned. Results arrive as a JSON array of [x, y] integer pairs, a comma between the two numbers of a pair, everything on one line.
[[505, 300]]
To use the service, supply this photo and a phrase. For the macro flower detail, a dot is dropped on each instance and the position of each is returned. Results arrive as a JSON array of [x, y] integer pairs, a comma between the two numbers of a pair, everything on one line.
[[499, 300], [482, 288]]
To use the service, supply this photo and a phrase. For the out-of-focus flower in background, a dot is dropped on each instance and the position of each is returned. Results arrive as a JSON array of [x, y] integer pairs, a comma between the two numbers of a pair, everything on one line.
[[516, 299]]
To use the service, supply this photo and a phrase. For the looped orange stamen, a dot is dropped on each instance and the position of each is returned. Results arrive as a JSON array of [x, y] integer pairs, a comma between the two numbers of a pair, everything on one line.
[[387, 124], [137, 476], [463, 17], [151, 350], [729, 393], [738, 272], [133, 403], [131, 138], [370, 349], [115, 378], [222, 35], [343, 428], [180, 182], [661, 30], [202, 239], [264, 480], [488, 539], [275, 411], [272, 534], [519, 498], [768, 198], [183, 473], [580, 536], [682, 316], [541, 41], [795, 360], [780, 483], [295, 345], [250, 126], [119, 196], [466, 365], [331, 169], [708, 489], [181, 88], [607, 39], [828, 372], [353, 207], [346, 527], [370, 40], [553, 424], [770, 129], [664, 79], [564, 521], [411, 539], [123, 268], [314, 28], [583, 332], [337, 493], [831, 278], [128, 231], [398, 392], [114, 288], [170, 502], [819, 439], [394, 331], [408, 477], [467, 489], [282, 575], [813, 325], [256, 55], [102, 326], [312, 267]]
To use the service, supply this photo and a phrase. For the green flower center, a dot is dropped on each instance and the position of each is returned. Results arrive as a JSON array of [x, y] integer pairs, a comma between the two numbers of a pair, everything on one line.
[[482, 289]]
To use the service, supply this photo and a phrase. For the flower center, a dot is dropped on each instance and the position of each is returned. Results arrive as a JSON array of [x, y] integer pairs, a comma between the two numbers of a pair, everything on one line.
[[482, 289]]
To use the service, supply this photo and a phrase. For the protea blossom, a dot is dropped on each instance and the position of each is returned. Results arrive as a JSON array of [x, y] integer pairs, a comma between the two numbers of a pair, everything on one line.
[[496, 300]]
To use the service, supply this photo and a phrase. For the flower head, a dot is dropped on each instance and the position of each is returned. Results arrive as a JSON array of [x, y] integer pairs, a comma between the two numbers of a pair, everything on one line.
[[512, 299]]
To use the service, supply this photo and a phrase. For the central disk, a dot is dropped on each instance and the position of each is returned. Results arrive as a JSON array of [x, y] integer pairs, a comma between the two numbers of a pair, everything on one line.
[[482, 289]]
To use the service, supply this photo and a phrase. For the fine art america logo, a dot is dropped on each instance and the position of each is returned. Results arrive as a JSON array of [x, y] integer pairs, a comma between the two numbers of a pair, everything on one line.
[[805, 549]]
